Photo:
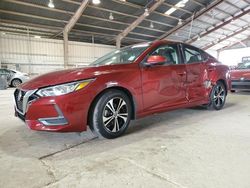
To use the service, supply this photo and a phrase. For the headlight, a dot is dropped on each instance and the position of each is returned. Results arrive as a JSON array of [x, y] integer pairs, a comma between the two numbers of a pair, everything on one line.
[[63, 88]]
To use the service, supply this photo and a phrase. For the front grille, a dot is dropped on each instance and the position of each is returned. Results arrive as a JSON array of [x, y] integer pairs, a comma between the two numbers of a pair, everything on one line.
[[19, 94]]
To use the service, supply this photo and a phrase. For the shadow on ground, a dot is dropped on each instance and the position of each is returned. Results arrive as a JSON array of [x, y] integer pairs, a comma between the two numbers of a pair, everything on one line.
[[23, 142]]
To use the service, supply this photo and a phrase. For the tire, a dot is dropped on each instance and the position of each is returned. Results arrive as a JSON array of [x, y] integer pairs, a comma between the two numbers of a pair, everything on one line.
[[218, 96], [111, 114], [232, 91], [16, 82]]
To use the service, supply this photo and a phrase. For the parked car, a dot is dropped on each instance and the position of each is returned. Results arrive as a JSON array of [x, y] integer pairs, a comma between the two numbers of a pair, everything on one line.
[[126, 84], [240, 77], [14, 78]]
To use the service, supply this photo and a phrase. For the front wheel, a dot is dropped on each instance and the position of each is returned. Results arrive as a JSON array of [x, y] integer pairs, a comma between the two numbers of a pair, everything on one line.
[[218, 96], [111, 114]]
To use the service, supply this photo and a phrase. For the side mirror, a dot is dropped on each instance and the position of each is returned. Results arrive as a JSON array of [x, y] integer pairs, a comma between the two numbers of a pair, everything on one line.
[[155, 60]]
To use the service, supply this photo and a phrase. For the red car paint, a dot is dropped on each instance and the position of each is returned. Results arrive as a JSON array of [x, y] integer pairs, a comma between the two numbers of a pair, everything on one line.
[[154, 89], [240, 79]]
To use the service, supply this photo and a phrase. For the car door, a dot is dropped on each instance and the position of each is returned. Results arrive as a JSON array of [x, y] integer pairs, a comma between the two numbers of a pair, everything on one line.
[[164, 85], [196, 73]]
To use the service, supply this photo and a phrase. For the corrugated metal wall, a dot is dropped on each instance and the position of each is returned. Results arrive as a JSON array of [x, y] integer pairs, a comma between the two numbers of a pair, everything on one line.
[[38, 55]]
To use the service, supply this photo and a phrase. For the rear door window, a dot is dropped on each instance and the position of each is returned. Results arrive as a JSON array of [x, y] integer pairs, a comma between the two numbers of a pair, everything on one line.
[[192, 55]]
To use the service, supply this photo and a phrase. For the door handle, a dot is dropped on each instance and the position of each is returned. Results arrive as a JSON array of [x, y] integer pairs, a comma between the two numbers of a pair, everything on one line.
[[182, 73], [211, 69]]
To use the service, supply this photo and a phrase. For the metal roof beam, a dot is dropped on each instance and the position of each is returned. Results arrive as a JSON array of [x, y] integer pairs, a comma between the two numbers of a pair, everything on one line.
[[198, 3], [120, 13], [31, 26], [227, 37], [232, 5], [233, 44], [189, 20], [13, 30], [136, 22], [224, 12], [84, 16], [73, 31], [79, 24], [216, 8], [216, 27], [157, 12], [127, 15]]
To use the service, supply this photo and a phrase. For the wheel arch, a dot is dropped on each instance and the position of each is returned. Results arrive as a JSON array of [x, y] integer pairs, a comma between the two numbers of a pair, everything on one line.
[[126, 91], [11, 82], [224, 83]]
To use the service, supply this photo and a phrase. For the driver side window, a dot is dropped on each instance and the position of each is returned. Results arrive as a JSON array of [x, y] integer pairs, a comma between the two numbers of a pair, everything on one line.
[[170, 52]]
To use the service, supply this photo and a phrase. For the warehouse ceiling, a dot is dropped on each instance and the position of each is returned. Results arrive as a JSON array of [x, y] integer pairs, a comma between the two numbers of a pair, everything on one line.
[[208, 24]]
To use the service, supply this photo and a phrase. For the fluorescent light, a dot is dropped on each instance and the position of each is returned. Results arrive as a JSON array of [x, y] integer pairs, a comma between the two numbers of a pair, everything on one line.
[[111, 17], [180, 22], [151, 25], [170, 11], [96, 2], [51, 4], [37, 37], [182, 3], [146, 13]]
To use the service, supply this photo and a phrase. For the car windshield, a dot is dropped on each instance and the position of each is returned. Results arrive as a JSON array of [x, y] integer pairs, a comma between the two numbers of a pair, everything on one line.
[[244, 65], [122, 56]]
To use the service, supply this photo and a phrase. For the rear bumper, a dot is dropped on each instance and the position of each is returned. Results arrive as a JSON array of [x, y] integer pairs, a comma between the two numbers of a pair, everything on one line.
[[66, 113], [240, 84]]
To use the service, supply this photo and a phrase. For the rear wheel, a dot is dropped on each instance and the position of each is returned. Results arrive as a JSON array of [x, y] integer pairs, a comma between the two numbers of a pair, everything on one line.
[[233, 91], [16, 82], [111, 114], [218, 96]]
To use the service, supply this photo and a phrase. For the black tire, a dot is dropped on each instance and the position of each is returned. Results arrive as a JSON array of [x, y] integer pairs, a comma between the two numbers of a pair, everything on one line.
[[232, 91], [16, 82], [106, 119], [218, 96]]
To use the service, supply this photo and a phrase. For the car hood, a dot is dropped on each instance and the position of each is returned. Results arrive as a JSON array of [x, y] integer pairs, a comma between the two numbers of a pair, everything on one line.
[[237, 74], [63, 76]]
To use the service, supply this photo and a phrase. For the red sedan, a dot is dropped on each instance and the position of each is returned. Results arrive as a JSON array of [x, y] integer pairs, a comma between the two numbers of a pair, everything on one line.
[[240, 77], [126, 84]]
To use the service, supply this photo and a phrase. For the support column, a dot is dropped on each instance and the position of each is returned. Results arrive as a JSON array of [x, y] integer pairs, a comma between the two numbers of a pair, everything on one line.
[[118, 42], [66, 49], [68, 28]]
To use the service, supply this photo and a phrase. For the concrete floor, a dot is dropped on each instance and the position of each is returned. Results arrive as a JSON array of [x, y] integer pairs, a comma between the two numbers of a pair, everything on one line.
[[192, 148]]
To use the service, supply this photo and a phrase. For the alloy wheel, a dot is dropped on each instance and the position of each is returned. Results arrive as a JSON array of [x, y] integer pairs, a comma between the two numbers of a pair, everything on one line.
[[115, 115], [219, 96]]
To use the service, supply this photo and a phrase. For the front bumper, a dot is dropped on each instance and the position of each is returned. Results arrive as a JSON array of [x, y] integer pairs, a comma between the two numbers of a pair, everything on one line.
[[240, 84], [66, 113]]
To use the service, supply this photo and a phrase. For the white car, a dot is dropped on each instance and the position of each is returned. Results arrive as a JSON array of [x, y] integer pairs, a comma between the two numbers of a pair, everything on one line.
[[14, 78]]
